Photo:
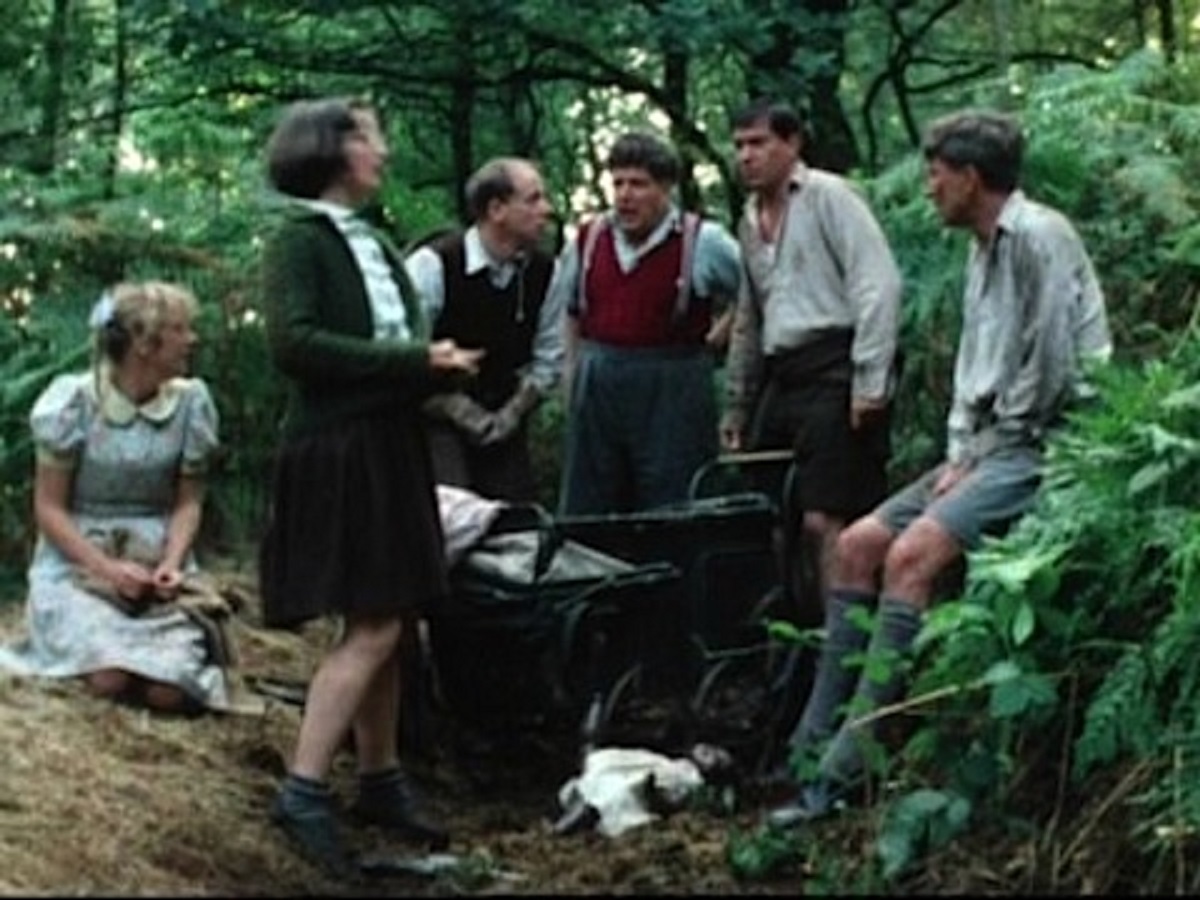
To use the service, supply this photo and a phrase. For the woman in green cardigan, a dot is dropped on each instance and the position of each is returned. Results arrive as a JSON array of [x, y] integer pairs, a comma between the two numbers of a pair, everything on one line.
[[354, 529]]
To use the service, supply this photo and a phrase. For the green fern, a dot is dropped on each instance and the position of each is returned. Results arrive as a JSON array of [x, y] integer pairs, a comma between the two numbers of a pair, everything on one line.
[[1119, 718]]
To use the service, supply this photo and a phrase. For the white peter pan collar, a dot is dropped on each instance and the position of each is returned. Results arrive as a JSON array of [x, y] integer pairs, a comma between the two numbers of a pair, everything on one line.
[[118, 409]]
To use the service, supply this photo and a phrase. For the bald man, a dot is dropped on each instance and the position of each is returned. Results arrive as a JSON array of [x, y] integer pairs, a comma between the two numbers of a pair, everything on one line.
[[486, 287]]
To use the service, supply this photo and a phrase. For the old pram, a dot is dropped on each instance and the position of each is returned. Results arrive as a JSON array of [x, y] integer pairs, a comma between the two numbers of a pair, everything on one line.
[[649, 628]]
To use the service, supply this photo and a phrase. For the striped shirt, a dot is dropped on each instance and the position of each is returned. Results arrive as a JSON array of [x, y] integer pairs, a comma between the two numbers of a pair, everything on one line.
[[387, 307]]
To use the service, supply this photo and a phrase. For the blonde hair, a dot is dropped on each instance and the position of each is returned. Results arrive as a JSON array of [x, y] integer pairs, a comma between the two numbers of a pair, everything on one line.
[[130, 311]]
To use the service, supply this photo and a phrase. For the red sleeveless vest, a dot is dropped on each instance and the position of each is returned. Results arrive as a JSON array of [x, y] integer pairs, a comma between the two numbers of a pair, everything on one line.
[[637, 309]]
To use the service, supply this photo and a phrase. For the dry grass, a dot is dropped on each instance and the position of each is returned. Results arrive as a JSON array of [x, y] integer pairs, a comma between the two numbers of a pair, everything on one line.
[[99, 798], [102, 799]]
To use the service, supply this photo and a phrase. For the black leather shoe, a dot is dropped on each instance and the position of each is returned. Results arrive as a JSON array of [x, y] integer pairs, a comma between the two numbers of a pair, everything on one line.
[[393, 804], [314, 833], [815, 800]]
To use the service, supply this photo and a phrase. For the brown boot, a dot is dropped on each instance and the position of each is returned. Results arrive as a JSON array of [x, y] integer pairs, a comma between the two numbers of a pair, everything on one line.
[[388, 799]]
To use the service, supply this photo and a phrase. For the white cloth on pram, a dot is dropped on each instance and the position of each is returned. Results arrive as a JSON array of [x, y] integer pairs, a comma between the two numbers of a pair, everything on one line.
[[514, 557], [466, 518]]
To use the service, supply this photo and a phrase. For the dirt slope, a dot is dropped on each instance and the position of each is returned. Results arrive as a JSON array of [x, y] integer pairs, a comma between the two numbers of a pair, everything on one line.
[[97, 798]]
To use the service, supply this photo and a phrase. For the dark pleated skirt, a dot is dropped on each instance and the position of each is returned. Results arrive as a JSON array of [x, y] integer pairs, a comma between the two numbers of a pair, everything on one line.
[[354, 527]]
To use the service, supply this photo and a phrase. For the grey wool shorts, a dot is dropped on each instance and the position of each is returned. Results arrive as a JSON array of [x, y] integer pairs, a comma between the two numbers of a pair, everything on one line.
[[994, 494]]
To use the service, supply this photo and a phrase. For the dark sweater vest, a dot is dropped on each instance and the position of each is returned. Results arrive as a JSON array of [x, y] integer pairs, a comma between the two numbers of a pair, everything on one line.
[[502, 322], [636, 309]]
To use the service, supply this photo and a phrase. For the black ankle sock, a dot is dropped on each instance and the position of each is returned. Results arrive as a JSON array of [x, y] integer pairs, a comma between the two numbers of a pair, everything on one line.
[[299, 795], [381, 777], [307, 786]]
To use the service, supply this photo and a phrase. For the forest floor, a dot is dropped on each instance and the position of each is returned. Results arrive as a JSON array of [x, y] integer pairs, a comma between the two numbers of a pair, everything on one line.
[[103, 799]]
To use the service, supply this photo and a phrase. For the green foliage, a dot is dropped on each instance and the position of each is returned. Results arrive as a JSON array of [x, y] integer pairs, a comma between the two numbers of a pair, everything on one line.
[[1078, 629], [761, 854], [29, 358], [546, 436], [765, 854], [1118, 151], [1095, 588], [920, 821], [931, 259]]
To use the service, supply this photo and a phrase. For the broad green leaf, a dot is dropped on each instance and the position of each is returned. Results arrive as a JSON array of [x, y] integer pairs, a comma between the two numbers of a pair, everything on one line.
[[1017, 696], [1149, 476], [1162, 441], [953, 617], [1000, 672], [1186, 398], [923, 819], [1011, 572], [1023, 623]]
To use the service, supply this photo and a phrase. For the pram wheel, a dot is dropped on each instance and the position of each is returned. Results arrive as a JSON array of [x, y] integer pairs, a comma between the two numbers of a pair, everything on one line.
[[747, 700]]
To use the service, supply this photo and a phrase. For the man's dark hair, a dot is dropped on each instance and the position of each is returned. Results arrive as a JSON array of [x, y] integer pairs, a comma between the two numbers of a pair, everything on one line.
[[306, 152], [992, 142], [640, 150], [782, 118], [491, 181]]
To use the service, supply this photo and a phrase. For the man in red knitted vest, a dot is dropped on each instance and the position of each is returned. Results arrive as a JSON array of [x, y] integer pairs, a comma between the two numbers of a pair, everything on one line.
[[641, 283]]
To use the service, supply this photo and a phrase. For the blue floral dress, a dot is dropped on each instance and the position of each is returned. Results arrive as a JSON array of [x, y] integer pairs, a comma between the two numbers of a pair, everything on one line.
[[126, 461]]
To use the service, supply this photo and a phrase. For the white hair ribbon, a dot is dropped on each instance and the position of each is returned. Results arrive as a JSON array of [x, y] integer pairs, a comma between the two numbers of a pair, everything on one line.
[[103, 311]]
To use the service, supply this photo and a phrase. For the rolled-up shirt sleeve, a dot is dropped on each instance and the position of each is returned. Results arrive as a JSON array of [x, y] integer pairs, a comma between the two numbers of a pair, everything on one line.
[[546, 365], [717, 268], [424, 267], [872, 286], [744, 361]]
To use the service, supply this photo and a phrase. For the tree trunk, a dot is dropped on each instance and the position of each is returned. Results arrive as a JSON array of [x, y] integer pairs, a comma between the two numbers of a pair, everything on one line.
[[675, 67], [45, 155], [120, 88], [1166, 28], [819, 29], [462, 106]]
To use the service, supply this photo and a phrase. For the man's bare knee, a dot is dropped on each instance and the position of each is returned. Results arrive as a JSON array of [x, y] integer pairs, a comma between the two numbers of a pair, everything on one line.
[[917, 558], [861, 549]]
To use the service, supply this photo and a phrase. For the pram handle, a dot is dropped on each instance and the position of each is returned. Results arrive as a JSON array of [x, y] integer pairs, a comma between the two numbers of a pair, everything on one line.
[[794, 559], [753, 456], [738, 458]]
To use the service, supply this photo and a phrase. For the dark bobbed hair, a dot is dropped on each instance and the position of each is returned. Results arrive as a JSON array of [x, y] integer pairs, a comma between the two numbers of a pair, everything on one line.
[[782, 118], [642, 150], [990, 141], [305, 153]]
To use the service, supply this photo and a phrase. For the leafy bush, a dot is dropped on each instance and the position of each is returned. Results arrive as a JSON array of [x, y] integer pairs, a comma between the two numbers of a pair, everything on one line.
[[1077, 637]]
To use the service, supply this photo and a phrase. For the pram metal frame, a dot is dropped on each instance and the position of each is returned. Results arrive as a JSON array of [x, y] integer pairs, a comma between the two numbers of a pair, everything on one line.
[[608, 627], [558, 625]]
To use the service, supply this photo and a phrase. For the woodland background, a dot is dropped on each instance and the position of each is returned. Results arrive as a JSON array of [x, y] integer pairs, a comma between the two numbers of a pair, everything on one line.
[[1057, 698]]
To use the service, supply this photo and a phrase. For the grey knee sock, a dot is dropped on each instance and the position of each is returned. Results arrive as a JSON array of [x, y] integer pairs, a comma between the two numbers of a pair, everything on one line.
[[834, 679], [898, 625]]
